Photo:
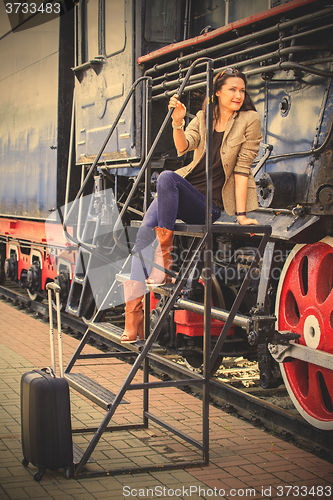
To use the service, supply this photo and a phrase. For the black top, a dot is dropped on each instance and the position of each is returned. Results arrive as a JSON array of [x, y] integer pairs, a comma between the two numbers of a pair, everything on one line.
[[198, 176]]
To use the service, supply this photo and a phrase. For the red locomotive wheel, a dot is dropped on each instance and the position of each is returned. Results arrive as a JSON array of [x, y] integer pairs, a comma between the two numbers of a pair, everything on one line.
[[305, 305]]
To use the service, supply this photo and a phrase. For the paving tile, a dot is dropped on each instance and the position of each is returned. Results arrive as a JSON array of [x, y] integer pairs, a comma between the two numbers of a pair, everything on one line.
[[3, 494], [16, 493]]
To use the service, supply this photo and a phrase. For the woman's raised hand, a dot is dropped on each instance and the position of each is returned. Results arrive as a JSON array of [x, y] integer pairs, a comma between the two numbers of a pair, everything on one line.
[[179, 110]]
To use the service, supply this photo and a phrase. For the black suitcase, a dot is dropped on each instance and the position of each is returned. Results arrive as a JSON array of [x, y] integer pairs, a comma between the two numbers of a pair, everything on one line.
[[45, 414], [45, 423]]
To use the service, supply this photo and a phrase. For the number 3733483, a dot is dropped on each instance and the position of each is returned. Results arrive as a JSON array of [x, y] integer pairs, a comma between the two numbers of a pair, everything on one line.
[[32, 7]]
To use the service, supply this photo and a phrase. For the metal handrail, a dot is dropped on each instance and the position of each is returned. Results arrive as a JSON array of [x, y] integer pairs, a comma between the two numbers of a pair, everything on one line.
[[151, 151], [92, 248], [277, 28], [92, 168]]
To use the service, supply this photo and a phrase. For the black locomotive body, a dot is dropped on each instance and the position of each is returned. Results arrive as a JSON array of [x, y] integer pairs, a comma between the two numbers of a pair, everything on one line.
[[285, 49]]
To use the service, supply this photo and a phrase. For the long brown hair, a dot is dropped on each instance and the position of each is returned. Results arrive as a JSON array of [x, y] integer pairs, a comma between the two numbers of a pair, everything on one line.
[[220, 80]]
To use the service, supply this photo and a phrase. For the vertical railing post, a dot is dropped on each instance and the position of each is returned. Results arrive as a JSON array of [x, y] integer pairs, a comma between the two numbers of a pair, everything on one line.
[[146, 127], [207, 271], [147, 134]]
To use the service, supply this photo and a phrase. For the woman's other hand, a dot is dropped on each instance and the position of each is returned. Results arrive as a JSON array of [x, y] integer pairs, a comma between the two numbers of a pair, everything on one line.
[[243, 220], [179, 112]]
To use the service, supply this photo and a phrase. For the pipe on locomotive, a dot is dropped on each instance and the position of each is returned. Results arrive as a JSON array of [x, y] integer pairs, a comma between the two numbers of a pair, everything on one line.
[[266, 69], [253, 36], [239, 319], [244, 52]]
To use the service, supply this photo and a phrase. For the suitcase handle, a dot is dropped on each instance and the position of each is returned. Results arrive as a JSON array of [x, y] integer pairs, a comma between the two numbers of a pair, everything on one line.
[[56, 288], [49, 371]]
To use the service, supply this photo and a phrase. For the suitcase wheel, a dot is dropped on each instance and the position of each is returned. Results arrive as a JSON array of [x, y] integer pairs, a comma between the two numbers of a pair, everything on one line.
[[38, 475], [25, 462], [69, 472]]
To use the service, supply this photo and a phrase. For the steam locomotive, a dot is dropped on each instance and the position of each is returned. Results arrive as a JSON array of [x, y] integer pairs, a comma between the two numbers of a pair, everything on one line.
[[74, 125]]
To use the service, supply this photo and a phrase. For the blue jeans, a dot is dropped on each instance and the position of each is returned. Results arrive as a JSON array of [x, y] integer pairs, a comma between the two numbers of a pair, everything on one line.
[[176, 199]]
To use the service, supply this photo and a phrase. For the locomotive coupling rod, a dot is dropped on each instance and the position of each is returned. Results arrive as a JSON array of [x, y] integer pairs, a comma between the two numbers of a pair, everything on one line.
[[283, 353], [220, 314]]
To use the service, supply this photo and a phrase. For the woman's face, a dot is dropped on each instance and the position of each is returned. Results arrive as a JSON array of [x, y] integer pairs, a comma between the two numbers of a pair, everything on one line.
[[231, 95]]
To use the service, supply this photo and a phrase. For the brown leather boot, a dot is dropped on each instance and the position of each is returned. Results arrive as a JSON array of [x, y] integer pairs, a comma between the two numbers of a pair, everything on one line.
[[163, 257], [134, 316]]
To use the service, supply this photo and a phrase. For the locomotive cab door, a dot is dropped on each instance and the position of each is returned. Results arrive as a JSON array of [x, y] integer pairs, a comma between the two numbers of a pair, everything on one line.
[[104, 75]]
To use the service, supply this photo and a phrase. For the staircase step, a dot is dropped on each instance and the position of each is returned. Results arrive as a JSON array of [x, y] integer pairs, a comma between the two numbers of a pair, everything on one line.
[[78, 454], [181, 228], [166, 289], [91, 389], [123, 277], [79, 278], [113, 333], [225, 224], [190, 229]]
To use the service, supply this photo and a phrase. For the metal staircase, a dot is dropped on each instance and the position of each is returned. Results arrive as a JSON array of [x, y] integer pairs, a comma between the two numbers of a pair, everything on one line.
[[174, 296], [94, 229]]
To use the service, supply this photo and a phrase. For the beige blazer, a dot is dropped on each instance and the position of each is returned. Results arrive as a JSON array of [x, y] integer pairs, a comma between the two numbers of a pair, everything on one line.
[[239, 148]]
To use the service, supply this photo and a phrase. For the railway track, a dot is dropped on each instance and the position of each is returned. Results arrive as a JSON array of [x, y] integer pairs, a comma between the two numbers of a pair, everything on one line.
[[234, 388]]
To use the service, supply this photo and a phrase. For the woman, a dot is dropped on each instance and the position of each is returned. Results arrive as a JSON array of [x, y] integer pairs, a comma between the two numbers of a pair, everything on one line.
[[181, 194]]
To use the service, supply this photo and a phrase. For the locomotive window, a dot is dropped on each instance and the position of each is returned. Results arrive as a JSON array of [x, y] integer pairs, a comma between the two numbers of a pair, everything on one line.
[[209, 13], [240, 9], [92, 28], [160, 23], [114, 26]]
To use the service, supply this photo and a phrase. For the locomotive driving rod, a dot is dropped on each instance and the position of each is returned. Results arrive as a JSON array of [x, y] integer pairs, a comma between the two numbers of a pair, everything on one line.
[[295, 351], [239, 319]]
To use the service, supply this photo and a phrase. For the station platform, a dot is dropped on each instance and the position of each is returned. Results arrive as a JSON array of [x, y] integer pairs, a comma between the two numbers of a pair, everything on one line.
[[245, 461]]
